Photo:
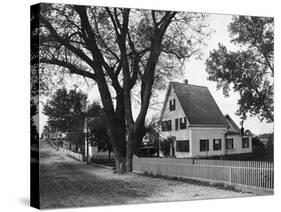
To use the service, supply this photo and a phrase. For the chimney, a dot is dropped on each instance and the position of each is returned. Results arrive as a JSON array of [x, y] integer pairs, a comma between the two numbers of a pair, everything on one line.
[[242, 128], [242, 131], [185, 81]]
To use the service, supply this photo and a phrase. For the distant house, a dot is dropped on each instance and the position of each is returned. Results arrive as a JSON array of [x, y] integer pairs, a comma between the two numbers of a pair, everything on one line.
[[195, 126], [150, 145]]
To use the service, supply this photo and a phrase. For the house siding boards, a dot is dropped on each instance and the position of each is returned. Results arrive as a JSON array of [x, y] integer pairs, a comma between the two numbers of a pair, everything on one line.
[[199, 133], [204, 120], [166, 114], [237, 145], [179, 134]]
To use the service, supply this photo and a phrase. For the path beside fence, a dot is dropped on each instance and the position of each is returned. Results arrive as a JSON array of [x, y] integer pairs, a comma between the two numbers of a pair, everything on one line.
[[75, 155], [245, 174]]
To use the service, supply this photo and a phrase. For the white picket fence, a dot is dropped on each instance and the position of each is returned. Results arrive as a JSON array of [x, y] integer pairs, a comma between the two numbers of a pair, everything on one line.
[[75, 155], [244, 174]]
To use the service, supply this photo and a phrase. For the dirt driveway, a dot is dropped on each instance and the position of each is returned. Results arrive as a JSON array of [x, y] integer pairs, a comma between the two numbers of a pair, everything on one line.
[[65, 182]]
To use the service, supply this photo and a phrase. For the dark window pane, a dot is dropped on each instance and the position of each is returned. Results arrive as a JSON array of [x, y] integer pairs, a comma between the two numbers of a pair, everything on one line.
[[229, 143], [204, 145], [182, 146], [245, 142], [172, 104], [183, 123], [169, 125], [176, 124], [217, 144]]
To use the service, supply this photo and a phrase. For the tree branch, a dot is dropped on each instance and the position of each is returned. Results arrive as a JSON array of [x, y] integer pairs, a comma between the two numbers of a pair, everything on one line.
[[64, 42], [72, 68], [113, 21]]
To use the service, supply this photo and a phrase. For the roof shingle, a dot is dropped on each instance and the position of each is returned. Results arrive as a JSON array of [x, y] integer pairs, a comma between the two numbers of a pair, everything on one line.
[[198, 104]]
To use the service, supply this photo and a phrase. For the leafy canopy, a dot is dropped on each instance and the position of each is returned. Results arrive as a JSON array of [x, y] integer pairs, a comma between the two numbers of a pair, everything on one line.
[[120, 49], [249, 70], [65, 110], [66, 42]]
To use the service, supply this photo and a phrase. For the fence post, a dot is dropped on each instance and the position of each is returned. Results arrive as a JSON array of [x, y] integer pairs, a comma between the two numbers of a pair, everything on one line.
[[230, 173]]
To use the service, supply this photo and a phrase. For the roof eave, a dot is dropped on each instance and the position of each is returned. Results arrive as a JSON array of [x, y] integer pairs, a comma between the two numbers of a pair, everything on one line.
[[208, 125]]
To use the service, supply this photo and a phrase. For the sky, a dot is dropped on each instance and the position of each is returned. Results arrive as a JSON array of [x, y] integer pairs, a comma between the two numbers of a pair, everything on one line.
[[195, 73]]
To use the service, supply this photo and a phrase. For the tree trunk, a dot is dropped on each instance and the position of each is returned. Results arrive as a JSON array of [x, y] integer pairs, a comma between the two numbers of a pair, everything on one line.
[[129, 162], [129, 157], [117, 137], [120, 165]]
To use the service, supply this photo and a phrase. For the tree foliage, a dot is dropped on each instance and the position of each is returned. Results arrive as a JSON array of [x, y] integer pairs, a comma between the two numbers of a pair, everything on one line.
[[97, 128], [165, 148], [66, 110], [34, 76], [249, 70], [120, 50], [99, 136]]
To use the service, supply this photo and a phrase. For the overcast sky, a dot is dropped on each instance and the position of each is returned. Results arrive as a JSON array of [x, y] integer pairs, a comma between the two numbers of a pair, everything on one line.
[[196, 75]]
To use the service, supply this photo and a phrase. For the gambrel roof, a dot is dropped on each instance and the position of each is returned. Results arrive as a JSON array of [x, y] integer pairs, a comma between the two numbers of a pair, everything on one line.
[[198, 105]]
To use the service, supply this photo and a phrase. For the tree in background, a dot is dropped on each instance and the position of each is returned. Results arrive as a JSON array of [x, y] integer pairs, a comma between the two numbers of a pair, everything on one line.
[[34, 79], [97, 128], [152, 126], [120, 50], [98, 135], [66, 113], [249, 70]]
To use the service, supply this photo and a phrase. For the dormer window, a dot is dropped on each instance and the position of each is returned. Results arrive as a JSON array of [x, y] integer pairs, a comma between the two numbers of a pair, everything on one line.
[[172, 104]]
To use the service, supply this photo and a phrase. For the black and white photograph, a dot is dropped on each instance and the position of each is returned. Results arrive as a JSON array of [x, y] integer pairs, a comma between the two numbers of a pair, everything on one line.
[[133, 106], [136, 106]]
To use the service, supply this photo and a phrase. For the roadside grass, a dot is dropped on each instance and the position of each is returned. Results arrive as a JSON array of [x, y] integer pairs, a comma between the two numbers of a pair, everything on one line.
[[103, 161], [221, 186]]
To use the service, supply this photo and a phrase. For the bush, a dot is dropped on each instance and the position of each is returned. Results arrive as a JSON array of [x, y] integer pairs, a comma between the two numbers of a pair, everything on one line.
[[165, 148]]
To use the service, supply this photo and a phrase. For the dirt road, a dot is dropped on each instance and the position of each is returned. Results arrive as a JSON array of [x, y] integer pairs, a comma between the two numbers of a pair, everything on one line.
[[65, 182]]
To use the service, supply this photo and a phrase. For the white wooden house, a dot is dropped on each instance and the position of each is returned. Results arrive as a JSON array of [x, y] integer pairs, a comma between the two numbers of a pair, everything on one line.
[[195, 127]]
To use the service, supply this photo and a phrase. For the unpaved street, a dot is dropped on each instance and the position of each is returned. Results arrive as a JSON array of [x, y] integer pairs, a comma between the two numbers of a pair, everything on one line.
[[65, 182]]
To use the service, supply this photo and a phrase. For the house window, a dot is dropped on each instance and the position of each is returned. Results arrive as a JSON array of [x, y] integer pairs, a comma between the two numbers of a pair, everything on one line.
[[176, 124], [217, 144], [172, 104], [183, 123], [245, 142], [204, 145], [182, 146], [229, 143], [167, 125]]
